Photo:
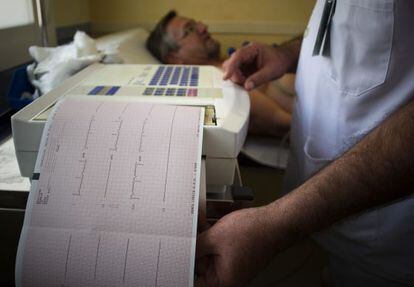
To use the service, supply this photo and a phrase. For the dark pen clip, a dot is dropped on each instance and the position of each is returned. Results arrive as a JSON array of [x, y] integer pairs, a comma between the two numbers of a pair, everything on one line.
[[324, 26]]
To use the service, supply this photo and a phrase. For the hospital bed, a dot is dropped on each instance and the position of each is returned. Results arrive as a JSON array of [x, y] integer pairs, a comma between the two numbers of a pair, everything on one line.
[[221, 175], [226, 106]]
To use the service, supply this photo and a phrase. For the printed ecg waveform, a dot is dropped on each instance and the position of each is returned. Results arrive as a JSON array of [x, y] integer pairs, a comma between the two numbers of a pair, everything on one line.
[[115, 196]]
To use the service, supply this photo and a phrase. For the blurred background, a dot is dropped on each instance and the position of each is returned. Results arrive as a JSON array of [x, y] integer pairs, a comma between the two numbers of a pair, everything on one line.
[[24, 23], [232, 22]]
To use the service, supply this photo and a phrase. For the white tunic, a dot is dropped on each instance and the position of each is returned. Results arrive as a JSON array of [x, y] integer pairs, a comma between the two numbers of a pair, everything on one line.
[[368, 75]]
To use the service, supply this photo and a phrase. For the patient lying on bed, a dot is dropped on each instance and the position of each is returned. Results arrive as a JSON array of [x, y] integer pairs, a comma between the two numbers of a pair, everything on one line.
[[180, 40]]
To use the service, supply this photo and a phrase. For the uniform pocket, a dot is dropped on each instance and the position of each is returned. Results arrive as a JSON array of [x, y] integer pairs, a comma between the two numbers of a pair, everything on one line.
[[360, 44], [317, 156]]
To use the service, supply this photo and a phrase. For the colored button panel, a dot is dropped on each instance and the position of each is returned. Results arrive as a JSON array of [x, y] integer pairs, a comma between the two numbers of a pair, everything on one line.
[[104, 90], [112, 91], [181, 92], [148, 91], [96, 90], [159, 92], [157, 76], [192, 93]]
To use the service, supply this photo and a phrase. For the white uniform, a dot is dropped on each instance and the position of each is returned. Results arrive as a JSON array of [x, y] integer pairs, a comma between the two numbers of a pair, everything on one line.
[[368, 75]]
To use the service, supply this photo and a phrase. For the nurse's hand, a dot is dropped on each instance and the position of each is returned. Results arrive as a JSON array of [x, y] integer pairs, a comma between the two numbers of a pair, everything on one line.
[[235, 249], [255, 64]]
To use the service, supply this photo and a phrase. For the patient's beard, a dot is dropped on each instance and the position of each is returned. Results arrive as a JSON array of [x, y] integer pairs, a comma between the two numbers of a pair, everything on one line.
[[214, 51]]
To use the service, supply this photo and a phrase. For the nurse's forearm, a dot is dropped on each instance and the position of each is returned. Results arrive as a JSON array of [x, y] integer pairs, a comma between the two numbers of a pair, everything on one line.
[[378, 170]]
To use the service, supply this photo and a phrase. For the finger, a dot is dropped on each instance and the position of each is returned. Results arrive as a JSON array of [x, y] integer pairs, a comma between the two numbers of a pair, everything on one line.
[[242, 56], [200, 282], [259, 78], [209, 277], [238, 78], [205, 244], [231, 66], [201, 265], [203, 225]]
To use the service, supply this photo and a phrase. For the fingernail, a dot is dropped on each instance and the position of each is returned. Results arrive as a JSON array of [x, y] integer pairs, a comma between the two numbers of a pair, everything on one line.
[[249, 85]]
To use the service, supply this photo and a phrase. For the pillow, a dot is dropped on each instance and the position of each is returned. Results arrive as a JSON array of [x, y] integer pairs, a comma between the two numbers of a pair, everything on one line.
[[128, 45]]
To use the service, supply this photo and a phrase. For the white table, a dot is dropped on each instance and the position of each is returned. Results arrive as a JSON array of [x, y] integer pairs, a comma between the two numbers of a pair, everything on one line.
[[10, 179]]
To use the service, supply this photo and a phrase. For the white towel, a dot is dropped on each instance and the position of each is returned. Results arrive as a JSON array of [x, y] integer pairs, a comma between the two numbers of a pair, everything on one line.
[[54, 65]]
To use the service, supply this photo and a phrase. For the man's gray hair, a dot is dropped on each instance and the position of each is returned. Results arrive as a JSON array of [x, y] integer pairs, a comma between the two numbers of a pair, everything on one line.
[[160, 43]]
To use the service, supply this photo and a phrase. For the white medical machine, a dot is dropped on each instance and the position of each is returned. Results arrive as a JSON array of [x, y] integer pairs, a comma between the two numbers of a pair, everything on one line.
[[226, 106]]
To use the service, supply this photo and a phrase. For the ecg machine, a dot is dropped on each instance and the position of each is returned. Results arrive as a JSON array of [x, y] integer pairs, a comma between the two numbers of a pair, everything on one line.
[[226, 107]]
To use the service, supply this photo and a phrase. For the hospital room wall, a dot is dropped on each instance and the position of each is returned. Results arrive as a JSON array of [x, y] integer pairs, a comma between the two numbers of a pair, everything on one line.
[[230, 21], [70, 16], [71, 12]]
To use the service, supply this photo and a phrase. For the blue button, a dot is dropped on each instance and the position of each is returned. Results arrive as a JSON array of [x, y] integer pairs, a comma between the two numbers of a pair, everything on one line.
[[96, 90], [112, 91]]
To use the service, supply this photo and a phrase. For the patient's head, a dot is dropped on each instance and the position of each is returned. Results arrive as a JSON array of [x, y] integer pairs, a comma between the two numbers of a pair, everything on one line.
[[180, 40]]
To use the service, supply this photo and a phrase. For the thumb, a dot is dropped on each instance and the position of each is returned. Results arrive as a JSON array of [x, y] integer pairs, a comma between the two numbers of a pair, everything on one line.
[[200, 282], [257, 79], [205, 244]]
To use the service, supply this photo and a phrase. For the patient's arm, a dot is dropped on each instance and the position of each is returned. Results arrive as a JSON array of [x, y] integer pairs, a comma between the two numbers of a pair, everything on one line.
[[283, 91], [267, 116], [271, 107]]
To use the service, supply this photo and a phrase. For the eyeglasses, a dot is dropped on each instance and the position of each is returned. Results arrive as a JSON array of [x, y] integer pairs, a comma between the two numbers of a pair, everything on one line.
[[189, 28]]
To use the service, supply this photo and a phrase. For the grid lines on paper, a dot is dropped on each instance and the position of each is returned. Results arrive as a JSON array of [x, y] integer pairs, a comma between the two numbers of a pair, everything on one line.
[[119, 178]]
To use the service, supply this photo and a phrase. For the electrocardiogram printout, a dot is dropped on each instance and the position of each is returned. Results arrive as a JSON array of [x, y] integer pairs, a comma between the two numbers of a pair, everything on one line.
[[114, 197]]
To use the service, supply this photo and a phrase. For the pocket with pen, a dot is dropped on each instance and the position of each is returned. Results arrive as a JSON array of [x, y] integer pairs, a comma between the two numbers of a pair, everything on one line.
[[361, 36]]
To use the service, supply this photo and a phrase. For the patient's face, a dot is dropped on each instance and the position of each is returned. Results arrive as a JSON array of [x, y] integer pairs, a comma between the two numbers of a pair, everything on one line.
[[196, 46]]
